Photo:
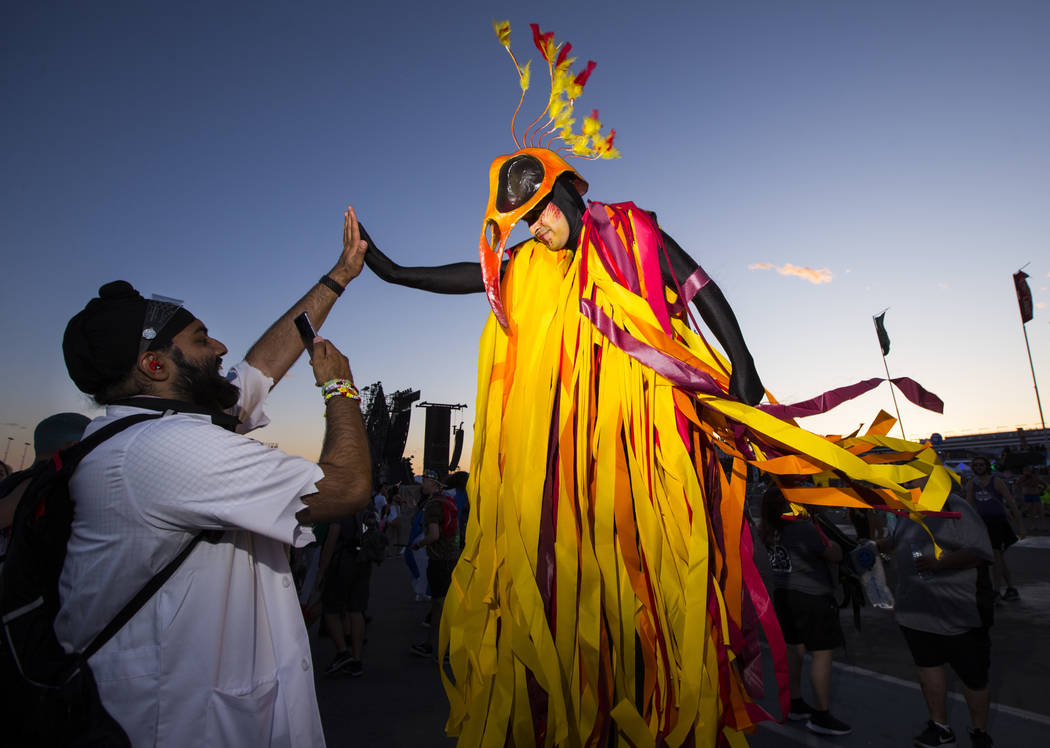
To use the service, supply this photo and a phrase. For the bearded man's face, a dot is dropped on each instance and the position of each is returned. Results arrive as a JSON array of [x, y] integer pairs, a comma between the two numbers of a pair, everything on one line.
[[200, 382]]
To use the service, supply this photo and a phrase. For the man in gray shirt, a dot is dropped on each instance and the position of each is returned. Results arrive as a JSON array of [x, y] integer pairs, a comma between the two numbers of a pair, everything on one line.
[[937, 608]]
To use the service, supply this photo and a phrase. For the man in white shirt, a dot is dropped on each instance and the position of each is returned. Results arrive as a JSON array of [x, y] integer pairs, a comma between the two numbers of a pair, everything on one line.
[[219, 656]]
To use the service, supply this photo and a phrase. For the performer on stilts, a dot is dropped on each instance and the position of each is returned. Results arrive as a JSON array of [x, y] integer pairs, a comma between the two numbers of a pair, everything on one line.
[[607, 594]]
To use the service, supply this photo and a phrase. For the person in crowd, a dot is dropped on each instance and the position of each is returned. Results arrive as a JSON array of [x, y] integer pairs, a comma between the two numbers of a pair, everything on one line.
[[441, 540], [379, 501], [219, 656], [1029, 489], [5, 470], [390, 521], [54, 433], [347, 573], [415, 557], [990, 496], [803, 598], [944, 607], [457, 487]]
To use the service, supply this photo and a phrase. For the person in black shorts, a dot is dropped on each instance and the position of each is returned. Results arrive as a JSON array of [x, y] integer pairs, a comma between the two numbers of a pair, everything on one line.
[[805, 606], [989, 495], [944, 609], [347, 574]]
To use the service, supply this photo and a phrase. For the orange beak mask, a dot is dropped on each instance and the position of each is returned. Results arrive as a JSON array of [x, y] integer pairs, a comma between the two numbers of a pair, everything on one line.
[[518, 183]]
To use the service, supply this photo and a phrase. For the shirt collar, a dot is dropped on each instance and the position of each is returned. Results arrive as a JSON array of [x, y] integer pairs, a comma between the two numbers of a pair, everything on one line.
[[147, 402]]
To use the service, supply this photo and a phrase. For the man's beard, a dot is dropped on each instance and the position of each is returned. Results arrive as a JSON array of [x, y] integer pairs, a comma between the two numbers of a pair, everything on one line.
[[201, 383]]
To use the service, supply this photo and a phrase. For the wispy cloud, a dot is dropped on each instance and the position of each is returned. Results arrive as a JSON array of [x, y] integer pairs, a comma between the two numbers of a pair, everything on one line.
[[1040, 305], [813, 275]]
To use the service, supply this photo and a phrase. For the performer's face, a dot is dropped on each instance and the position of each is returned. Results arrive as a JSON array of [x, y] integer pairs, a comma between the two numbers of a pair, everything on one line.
[[551, 228]]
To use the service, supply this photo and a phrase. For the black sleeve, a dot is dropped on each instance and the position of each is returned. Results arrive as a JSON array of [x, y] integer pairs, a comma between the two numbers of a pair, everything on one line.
[[456, 278], [744, 383]]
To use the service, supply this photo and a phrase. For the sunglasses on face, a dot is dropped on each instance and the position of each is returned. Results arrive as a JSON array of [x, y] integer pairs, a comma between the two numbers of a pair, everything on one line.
[[534, 215]]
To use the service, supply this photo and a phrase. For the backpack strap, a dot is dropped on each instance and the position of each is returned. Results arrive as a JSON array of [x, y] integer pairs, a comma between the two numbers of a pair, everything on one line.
[[140, 599], [71, 456], [69, 459]]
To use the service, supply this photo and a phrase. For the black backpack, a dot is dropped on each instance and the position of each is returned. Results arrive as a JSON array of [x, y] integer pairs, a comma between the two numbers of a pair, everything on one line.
[[49, 697], [373, 541]]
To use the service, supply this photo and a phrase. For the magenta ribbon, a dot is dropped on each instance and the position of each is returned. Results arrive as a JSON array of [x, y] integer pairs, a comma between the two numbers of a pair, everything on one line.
[[756, 588], [826, 401], [613, 246], [677, 372]]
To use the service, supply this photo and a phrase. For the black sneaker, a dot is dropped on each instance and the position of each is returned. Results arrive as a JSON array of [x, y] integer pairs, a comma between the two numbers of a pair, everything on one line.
[[422, 650], [823, 723], [1011, 594], [354, 668], [342, 659], [979, 738], [800, 710], [934, 736]]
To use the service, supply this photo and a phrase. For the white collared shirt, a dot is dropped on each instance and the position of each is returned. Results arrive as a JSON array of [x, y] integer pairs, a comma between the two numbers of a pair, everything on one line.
[[219, 656]]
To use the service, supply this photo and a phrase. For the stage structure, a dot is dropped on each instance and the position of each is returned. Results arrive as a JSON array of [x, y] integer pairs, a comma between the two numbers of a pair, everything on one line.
[[436, 438], [386, 424]]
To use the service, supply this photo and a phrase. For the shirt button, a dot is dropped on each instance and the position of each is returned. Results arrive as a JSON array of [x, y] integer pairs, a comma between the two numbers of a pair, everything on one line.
[[306, 664], [286, 582]]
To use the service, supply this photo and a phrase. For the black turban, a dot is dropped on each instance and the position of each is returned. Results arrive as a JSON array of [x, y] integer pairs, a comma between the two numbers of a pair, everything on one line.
[[103, 341]]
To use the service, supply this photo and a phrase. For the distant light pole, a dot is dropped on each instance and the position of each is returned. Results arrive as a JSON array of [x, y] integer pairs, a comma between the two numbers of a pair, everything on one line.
[[25, 450], [8, 448]]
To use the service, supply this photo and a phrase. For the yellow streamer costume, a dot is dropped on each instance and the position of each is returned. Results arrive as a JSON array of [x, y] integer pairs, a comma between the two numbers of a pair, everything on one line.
[[601, 590], [607, 594]]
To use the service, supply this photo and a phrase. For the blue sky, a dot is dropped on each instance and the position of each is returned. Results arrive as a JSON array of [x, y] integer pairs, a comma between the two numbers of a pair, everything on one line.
[[206, 151]]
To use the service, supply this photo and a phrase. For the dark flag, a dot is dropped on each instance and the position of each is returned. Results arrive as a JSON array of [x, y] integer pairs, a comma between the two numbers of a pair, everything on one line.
[[880, 329], [1024, 296]]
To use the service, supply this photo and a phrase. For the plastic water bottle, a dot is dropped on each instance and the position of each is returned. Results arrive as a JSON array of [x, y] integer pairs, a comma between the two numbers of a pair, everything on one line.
[[868, 562]]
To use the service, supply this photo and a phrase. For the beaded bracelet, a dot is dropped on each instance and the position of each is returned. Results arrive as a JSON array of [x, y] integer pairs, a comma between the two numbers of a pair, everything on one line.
[[339, 388]]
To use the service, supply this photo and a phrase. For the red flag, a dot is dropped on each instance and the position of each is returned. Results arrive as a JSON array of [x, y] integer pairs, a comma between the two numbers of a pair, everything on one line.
[[1024, 296]]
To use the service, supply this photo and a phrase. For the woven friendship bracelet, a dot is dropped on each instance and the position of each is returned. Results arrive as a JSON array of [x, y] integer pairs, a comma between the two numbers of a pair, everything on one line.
[[335, 286], [339, 388]]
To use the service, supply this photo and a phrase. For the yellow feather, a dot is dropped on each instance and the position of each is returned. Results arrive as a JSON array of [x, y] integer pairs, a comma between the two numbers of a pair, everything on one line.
[[525, 75], [591, 126], [565, 120], [502, 32]]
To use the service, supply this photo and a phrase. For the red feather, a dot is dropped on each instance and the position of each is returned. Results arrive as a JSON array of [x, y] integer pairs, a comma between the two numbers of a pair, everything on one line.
[[541, 39], [581, 79], [563, 54]]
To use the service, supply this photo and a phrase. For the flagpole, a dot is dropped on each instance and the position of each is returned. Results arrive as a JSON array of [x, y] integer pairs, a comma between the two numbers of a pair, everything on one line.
[[1031, 366], [894, 396], [1024, 304]]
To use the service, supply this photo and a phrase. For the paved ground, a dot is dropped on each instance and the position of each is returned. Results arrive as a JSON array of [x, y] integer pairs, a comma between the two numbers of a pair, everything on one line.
[[399, 701]]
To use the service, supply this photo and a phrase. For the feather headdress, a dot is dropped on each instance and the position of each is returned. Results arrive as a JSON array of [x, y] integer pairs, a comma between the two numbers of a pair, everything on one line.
[[566, 86]]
